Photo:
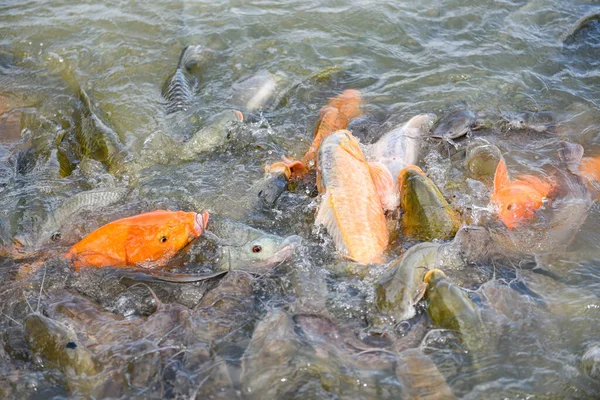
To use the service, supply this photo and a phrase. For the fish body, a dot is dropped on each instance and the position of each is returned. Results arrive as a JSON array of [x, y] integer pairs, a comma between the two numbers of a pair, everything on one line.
[[517, 200], [336, 115], [180, 87], [350, 207], [260, 90], [400, 147], [147, 240], [426, 215]]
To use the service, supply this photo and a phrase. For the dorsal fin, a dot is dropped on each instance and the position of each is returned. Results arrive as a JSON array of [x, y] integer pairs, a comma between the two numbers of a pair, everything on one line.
[[501, 179]]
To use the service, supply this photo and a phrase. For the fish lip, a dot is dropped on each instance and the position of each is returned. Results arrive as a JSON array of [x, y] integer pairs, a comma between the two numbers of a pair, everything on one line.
[[290, 242], [200, 223]]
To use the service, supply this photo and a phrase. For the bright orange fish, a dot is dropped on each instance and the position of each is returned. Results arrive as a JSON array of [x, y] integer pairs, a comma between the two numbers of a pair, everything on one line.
[[350, 206], [336, 115], [518, 200], [147, 240]]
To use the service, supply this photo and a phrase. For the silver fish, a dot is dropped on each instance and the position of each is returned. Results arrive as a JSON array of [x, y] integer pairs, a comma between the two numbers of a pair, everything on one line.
[[400, 146]]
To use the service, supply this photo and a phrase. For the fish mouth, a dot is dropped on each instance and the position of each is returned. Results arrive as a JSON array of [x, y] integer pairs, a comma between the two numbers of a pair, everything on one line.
[[200, 223]]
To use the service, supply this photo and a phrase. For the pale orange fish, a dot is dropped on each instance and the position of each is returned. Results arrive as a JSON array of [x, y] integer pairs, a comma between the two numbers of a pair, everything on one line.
[[147, 240], [589, 168], [518, 200], [350, 207], [336, 115]]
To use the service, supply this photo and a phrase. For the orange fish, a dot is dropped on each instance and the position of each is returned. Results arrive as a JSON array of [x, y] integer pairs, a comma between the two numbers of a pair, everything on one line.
[[518, 200], [589, 168], [336, 115], [148, 240], [350, 207]]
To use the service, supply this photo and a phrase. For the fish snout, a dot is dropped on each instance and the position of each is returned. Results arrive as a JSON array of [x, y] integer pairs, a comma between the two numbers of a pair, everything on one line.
[[292, 242], [200, 223]]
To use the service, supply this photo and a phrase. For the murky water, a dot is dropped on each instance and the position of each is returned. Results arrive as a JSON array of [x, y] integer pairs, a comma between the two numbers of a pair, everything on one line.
[[306, 330]]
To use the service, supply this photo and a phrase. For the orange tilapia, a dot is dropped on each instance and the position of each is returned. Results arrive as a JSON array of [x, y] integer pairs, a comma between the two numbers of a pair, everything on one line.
[[340, 110], [350, 207], [518, 200], [589, 168], [147, 240]]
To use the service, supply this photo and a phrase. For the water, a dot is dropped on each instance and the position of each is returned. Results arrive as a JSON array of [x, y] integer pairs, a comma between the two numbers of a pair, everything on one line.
[[495, 58]]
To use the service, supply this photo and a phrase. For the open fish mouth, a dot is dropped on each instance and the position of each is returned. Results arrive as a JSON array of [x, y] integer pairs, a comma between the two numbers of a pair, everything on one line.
[[285, 251], [200, 223]]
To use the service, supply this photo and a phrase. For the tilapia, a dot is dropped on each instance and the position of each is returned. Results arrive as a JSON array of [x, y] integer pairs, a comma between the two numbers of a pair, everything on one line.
[[420, 377], [482, 158], [260, 91], [350, 207], [180, 87], [90, 200]]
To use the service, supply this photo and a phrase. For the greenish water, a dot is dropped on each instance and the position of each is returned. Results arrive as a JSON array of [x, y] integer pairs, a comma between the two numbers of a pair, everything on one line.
[[496, 58]]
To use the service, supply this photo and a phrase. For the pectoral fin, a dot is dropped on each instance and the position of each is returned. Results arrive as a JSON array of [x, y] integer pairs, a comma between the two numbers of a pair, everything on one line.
[[326, 217]]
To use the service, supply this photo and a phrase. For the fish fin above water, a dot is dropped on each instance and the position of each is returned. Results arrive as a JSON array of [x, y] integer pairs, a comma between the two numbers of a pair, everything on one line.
[[571, 154], [384, 184], [501, 179], [190, 57], [326, 217]]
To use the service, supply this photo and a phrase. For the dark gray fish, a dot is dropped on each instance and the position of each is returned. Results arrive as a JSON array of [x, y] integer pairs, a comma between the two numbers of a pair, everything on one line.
[[180, 87], [584, 29], [454, 125], [268, 189]]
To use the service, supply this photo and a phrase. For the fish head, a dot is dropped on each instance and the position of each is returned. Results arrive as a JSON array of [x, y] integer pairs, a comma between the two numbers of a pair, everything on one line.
[[157, 236], [58, 345], [518, 201], [273, 184], [261, 252], [426, 213]]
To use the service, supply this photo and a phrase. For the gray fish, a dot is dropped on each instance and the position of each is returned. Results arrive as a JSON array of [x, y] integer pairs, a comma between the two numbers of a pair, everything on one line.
[[482, 158], [454, 125], [582, 28], [401, 287], [590, 362], [180, 87], [267, 190], [243, 247], [259, 91]]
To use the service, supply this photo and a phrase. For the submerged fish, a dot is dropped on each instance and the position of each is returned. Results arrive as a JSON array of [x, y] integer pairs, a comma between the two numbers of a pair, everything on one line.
[[482, 158], [518, 200], [426, 215], [260, 90], [243, 247], [57, 346], [147, 240], [180, 87], [450, 308], [589, 168], [89, 200], [420, 377], [350, 207]]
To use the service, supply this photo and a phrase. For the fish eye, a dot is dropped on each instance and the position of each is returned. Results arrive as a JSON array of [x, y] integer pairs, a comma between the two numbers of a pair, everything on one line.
[[256, 248], [71, 345], [163, 239], [510, 207], [55, 236]]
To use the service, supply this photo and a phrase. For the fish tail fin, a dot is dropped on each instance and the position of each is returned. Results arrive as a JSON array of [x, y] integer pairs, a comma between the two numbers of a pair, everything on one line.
[[501, 178], [571, 155], [384, 184], [326, 217], [190, 57]]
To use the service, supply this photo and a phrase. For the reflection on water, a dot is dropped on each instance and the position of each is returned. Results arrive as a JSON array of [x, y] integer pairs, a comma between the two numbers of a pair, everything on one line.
[[309, 329]]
